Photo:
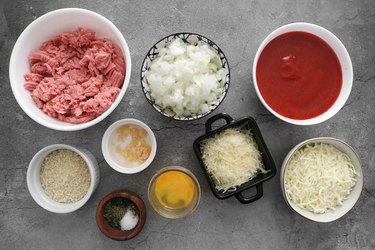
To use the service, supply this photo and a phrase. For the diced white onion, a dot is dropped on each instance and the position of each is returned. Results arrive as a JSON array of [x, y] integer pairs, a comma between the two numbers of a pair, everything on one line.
[[186, 79]]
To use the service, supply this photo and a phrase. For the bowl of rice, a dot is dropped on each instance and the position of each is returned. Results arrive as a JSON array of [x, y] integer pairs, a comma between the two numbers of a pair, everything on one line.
[[185, 76], [69, 69], [62, 178], [321, 179]]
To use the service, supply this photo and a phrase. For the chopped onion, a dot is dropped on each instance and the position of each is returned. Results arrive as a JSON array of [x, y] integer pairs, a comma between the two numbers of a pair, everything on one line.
[[186, 79]]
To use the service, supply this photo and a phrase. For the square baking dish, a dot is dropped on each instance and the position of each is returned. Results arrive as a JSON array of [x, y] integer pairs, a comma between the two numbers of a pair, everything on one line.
[[247, 123]]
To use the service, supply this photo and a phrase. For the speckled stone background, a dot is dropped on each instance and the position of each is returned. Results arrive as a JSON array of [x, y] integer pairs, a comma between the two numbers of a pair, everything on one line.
[[238, 27]]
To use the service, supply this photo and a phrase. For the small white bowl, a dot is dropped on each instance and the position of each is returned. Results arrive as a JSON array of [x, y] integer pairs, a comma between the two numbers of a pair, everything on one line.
[[42, 29], [116, 161], [344, 59], [36, 189], [353, 196]]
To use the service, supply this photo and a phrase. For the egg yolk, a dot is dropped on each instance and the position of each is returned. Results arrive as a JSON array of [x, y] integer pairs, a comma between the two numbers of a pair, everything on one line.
[[175, 189]]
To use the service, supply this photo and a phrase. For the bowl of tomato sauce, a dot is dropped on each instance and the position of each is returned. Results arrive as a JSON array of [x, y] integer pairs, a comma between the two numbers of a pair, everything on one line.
[[302, 73]]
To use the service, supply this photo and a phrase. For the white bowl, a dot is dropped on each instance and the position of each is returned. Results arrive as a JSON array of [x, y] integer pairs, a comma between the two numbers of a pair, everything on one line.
[[344, 59], [116, 161], [35, 187], [347, 204], [42, 29]]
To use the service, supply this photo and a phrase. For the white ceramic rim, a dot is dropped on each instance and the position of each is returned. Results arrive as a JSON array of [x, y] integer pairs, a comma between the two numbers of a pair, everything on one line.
[[360, 179], [113, 164], [13, 67], [60, 207], [337, 107]]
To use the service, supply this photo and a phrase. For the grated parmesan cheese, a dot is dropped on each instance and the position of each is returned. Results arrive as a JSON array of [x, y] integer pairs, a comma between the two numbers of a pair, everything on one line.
[[319, 177], [232, 158], [65, 176]]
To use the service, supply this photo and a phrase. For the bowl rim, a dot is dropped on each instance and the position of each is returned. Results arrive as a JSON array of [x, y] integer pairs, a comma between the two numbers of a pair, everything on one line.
[[108, 158], [63, 207], [179, 118], [322, 117], [318, 140], [138, 202], [180, 169], [23, 36]]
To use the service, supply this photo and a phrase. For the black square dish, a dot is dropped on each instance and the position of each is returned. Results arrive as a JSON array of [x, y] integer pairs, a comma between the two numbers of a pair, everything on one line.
[[269, 165]]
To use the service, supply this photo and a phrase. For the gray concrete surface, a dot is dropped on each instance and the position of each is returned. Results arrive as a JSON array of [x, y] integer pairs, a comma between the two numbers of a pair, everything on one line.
[[237, 27]]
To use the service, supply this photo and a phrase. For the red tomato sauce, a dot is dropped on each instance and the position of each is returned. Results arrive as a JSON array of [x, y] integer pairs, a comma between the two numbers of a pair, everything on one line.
[[299, 75]]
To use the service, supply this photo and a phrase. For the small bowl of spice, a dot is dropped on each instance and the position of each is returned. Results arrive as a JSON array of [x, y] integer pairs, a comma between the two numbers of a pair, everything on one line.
[[129, 146], [121, 215], [62, 178]]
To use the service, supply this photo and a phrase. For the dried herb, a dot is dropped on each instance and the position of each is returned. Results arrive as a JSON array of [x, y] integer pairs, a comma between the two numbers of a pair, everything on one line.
[[115, 209]]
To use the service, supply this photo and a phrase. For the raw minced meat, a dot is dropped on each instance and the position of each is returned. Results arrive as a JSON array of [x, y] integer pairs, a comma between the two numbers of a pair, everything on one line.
[[74, 76]]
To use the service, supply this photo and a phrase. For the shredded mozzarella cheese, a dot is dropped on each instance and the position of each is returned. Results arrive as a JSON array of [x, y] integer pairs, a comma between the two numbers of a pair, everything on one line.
[[319, 177], [232, 158]]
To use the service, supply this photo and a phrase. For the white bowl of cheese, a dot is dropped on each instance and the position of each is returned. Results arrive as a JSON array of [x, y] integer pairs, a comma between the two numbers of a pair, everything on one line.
[[329, 178]]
